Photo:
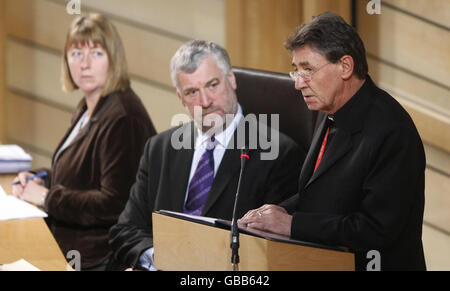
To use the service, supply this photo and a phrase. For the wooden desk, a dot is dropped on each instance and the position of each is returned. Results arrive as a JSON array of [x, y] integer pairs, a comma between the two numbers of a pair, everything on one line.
[[6, 181], [29, 239]]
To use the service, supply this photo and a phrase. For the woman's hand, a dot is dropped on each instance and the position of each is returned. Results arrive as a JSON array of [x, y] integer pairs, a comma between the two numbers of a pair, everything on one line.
[[34, 193], [17, 188]]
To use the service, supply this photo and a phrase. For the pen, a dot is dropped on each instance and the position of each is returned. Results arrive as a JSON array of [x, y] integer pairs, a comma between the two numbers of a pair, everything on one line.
[[38, 175]]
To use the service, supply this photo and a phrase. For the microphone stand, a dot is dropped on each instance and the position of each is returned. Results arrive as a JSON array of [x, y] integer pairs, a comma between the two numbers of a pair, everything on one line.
[[234, 245]]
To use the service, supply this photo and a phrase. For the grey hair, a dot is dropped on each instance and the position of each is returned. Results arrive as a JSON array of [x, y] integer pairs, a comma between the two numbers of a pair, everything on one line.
[[330, 35], [189, 56]]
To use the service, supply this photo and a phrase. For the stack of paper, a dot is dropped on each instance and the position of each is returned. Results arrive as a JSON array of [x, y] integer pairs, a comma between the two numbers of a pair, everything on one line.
[[13, 159], [13, 208]]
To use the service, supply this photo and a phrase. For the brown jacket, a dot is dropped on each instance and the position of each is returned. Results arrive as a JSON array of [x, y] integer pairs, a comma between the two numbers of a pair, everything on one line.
[[90, 182]]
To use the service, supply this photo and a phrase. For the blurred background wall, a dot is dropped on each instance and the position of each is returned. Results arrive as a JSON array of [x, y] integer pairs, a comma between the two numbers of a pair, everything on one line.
[[408, 50]]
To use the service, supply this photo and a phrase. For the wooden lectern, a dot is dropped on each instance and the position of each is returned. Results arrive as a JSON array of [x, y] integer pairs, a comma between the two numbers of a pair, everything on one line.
[[184, 242]]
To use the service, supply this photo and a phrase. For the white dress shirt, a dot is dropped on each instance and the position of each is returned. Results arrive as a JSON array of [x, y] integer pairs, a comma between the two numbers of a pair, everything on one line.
[[75, 131], [222, 140]]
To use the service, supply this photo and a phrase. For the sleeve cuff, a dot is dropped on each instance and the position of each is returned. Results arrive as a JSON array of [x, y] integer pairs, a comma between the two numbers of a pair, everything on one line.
[[146, 260]]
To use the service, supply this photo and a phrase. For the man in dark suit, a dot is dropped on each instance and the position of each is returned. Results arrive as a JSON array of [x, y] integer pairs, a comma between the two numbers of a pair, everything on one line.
[[194, 168], [362, 183]]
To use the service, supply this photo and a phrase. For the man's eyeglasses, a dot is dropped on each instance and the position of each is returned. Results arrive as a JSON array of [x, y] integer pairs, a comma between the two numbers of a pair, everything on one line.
[[305, 74]]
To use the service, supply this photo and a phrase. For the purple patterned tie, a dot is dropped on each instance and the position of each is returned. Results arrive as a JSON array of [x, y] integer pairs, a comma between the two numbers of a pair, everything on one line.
[[201, 182]]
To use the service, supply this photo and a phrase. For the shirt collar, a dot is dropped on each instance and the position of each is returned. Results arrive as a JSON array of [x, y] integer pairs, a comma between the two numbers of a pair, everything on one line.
[[224, 137]]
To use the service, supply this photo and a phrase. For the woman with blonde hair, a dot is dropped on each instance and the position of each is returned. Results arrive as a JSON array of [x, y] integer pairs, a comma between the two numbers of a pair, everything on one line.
[[95, 164]]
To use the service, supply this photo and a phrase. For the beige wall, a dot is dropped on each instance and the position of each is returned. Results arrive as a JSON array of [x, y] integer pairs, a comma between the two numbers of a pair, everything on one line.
[[2, 72], [257, 29], [38, 112], [409, 57]]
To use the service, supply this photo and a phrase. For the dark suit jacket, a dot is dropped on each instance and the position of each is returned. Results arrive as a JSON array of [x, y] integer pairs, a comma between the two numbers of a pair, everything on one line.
[[162, 180], [90, 181], [368, 191]]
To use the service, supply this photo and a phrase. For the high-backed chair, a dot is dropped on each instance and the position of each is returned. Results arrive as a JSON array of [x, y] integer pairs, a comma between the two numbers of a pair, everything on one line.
[[264, 92]]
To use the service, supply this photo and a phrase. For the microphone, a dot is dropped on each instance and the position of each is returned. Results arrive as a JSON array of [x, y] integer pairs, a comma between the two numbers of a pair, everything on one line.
[[234, 244]]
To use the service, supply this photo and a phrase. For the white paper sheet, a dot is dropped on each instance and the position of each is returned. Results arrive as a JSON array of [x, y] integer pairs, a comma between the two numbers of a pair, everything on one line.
[[20, 265], [2, 192], [209, 220], [13, 208]]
